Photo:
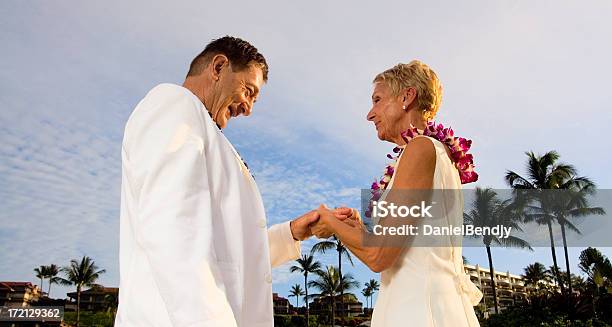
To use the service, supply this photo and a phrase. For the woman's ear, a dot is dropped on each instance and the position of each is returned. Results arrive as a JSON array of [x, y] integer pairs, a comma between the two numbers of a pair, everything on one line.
[[217, 64], [409, 97]]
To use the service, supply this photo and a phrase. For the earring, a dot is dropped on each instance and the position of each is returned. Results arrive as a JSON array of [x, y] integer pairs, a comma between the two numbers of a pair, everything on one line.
[[404, 107]]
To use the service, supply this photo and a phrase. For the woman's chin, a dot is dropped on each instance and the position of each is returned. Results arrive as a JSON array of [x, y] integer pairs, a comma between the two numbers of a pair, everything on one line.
[[384, 137]]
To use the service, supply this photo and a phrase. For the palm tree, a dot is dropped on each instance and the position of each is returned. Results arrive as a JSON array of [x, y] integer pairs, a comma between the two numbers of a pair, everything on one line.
[[112, 302], [373, 286], [591, 262], [51, 273], [488, 211], [544, 173], [599, 271], [579, 283], [80, 274], [572, 203], [297, 291], [370, 288], [534, 274], [40, 273], [329, 244], [330, 283], [366, 292], [306, 265]]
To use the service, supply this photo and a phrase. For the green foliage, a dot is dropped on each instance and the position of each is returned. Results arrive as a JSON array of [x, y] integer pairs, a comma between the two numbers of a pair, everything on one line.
[[315, 321], [83, 273], [545, 318], [332, 244], [306, 264], [90, 319], [552, 310], [370, 288], [597, 267], [329, 282], [294, 321], [296, 291]]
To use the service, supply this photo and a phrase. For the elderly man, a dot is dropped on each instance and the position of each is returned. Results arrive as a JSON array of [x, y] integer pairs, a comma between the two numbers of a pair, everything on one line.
[[195, 249]]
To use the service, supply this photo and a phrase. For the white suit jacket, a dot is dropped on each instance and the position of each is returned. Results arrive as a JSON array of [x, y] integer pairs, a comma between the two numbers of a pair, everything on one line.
[[194, 246]]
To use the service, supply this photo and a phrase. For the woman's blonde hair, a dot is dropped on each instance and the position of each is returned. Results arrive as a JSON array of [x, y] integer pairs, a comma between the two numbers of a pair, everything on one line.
[[418, 75]]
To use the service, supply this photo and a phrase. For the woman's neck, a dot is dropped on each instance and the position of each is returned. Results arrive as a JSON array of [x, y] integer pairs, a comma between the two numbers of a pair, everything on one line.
[[414, 118]]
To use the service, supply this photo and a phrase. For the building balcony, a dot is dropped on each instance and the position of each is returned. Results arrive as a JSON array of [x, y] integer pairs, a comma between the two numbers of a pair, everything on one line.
[[503, 282]]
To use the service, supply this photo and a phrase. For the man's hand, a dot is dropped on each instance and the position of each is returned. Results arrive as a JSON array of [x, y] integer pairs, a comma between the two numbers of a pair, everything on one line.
[[300, 227]]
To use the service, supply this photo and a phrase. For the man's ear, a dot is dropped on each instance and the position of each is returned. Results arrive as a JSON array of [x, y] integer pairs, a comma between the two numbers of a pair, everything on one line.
[[217, 64]]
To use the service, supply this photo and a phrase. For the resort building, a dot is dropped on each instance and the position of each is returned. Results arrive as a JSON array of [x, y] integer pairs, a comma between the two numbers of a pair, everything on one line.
[[511, 288], [19, 294], [98, 298], [281, 305], [352, 307]]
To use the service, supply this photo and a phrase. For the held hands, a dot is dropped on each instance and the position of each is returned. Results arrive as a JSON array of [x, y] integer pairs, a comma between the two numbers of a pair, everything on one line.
[[316, 222], [300, 227], [348, 215], [323, 229]]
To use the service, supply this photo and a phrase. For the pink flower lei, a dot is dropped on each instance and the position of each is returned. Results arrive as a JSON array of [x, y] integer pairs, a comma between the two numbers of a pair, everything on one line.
[[459, 146]]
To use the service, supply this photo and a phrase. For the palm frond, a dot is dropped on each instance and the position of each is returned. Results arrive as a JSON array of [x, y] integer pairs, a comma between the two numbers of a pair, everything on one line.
[[570, 226], [347, 254], [513, 241], [515, 180], [323, 246]]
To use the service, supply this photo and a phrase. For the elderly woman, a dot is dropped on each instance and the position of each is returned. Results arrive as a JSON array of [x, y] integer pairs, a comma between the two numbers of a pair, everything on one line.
[[422, 284]]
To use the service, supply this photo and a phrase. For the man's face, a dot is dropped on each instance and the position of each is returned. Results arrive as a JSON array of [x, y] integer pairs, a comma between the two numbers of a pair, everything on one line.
[[235, 93]]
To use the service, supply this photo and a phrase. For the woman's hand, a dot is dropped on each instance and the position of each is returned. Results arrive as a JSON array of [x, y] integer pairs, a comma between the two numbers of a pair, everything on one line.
[[323, 228], [348, 215]]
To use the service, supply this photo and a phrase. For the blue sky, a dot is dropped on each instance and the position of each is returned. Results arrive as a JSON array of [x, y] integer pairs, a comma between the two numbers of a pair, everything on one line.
[[517, 76]]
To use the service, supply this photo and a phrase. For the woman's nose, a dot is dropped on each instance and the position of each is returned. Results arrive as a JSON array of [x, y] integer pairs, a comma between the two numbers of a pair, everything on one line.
[[370, 116]]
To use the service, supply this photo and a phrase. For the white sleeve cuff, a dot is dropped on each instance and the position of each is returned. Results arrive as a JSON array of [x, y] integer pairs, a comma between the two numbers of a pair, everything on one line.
[[283, 247]]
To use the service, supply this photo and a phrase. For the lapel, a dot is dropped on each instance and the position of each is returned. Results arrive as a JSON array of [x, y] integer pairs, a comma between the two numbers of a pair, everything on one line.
[[243, 168]]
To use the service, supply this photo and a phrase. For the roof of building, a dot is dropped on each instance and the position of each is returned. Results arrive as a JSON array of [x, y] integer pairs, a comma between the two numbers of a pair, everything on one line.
[[505, 273], [348, 298], [275, 296], [12, 285], [96, 289]]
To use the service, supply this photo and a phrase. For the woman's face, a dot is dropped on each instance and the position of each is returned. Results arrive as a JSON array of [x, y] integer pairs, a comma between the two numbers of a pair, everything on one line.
[[386, 112]]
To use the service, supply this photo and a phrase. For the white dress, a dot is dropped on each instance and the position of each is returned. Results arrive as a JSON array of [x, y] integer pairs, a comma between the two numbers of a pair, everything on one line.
[[427, 285]]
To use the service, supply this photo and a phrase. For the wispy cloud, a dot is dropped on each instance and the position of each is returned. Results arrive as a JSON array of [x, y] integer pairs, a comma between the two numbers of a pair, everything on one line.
[[517, 77]]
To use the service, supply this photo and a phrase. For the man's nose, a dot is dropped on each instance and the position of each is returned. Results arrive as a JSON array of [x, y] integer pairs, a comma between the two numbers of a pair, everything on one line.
[[247, 108]]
